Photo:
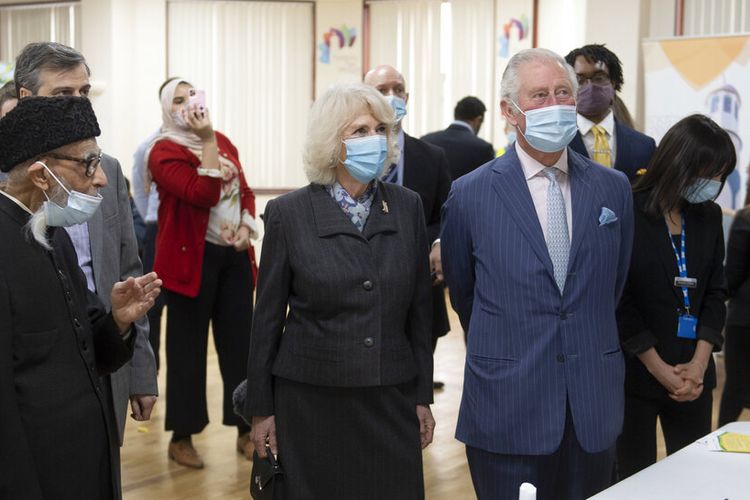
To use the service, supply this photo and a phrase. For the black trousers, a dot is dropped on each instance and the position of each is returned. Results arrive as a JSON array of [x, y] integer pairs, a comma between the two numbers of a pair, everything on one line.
[[570, 473], [736, 395], [154, 314], [226, 300], [681, 423]]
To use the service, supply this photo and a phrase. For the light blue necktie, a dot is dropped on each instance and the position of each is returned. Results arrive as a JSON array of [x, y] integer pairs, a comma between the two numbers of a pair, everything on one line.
[[558, 240]]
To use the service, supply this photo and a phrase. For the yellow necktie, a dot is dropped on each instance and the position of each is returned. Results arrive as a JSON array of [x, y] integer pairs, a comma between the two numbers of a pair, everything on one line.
[[601, 153]]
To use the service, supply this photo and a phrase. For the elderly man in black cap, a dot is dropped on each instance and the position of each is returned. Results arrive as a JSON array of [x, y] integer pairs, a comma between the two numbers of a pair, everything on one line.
[[56, 339]]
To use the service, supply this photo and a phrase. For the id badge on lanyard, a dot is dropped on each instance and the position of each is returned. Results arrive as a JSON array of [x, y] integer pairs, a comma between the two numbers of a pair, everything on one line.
[[687, 324]]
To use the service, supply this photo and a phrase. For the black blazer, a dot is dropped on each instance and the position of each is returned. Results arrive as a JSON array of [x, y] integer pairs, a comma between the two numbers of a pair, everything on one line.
[[647, 315], [426, 172], [358, 303], [465, 151], [738, 270], [634, 150]]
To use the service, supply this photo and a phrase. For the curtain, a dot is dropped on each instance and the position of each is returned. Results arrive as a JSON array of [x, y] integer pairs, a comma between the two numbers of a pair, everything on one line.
[[20, 25], [716, 17], [406, 35], [445, 50], [255, 61], [473, 58]]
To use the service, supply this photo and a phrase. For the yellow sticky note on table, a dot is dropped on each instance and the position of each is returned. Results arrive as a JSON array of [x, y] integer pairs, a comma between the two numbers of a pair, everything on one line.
[[734, 442]]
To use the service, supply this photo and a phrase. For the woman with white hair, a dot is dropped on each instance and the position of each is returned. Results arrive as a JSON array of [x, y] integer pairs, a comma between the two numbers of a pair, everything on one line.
[[340, 364]]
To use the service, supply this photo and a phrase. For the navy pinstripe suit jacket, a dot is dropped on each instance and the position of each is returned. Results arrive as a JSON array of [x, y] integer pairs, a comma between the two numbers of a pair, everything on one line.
[[531, 349]]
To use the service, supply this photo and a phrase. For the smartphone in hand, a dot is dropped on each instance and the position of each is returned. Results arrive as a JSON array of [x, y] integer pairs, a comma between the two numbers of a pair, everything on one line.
[[197, 98]]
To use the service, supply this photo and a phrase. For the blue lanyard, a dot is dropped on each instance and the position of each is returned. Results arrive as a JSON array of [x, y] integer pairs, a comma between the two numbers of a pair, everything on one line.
[[681, 262]]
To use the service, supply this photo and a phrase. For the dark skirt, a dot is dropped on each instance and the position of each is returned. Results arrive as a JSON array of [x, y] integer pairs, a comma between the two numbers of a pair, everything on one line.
[[348, 443]]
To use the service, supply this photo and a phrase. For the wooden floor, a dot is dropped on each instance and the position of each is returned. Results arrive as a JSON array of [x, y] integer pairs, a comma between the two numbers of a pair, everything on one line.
[[148, 474]]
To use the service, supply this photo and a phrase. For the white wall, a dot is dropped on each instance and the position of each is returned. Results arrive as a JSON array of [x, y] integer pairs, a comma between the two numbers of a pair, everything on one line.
[[566, 24], [621, 30], [124, 42], [660, 18], [561, 24]]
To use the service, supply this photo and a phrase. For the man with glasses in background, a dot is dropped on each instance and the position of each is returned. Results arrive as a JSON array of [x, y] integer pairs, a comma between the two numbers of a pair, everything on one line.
[[106, 245], [601, 136]]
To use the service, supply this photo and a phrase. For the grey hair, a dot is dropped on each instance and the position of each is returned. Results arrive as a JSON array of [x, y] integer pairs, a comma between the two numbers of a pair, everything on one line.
[[39, 56], [330, 114], [8, 92], [510, 83]]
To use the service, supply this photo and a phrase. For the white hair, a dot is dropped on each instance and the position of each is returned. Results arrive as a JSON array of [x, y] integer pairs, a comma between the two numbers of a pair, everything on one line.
[[510, 83], [330, 115]]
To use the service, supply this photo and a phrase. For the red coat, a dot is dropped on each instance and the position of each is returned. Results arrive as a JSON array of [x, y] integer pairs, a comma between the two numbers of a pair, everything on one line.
[[186, 199]]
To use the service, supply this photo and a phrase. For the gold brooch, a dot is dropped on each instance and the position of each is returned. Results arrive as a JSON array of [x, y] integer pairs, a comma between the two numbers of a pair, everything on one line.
[[640, 171], [385, 207]]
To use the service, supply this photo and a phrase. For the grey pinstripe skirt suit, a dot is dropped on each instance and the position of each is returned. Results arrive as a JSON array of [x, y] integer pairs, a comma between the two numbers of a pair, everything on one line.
[[341, 348]]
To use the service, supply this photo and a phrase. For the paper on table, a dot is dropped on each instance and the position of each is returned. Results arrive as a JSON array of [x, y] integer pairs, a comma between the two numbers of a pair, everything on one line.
[[730, 442]]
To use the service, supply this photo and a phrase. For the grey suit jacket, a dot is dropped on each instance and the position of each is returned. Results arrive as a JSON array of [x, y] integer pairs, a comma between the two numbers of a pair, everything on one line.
[[114, 255], [340, 308]]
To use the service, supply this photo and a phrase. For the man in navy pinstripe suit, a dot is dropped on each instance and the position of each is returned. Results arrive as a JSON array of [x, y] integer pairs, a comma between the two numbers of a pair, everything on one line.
[[535, 250]]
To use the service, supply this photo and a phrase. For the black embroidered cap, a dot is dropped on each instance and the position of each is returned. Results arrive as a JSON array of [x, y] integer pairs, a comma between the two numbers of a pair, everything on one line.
[[38, 125]]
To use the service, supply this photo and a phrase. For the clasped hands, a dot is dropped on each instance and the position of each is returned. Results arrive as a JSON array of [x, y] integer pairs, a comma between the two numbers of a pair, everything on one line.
[[684, 381]]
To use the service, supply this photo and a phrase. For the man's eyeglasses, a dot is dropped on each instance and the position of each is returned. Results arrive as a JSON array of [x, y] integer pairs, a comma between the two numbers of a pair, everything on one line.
[[91, 163], [599, 78]]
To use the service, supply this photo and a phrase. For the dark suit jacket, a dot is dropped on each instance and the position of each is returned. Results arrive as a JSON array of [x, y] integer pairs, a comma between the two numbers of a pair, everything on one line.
[[634, 150], [533, 352], [358, 303], [426, 172], [55, 342], [465, 151], [647, 314], [738, 270]]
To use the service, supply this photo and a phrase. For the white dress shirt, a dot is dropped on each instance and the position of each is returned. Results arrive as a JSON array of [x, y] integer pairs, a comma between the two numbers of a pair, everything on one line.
[[539, 184], [584, 127]]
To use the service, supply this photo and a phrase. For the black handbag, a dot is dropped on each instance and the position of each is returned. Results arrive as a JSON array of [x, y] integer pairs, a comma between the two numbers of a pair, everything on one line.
[[266, 476]]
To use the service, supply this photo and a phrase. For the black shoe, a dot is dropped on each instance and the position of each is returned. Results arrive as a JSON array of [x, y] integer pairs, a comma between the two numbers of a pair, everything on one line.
[[438, 385]]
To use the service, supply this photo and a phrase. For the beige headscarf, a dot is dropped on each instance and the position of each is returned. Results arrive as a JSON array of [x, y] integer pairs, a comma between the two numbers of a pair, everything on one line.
[[170, 130]]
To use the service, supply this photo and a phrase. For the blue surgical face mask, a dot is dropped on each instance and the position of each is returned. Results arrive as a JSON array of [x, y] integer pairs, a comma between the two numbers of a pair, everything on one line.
[[79, 209], [365, 157], [550, 129], [702, 190], [398, 105]]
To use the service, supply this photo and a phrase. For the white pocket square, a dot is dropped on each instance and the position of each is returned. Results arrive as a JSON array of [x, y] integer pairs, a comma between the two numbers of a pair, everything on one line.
[[607, 216]]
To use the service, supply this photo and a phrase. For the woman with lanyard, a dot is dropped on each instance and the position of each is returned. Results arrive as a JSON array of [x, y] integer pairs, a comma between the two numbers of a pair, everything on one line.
[[672, 310]]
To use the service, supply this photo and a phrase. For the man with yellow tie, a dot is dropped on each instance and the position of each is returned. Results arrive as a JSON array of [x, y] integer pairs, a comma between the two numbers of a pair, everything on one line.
[[601, 136]]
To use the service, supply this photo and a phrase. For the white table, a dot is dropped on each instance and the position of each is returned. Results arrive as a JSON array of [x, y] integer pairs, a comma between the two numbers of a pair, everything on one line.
[[694, 472]]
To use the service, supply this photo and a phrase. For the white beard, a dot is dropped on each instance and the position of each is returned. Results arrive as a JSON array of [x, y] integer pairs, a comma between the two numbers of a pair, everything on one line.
[[36, 228]]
